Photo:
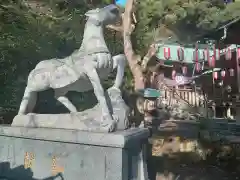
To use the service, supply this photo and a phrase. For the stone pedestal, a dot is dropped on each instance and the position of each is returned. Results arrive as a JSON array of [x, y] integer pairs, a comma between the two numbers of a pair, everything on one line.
[[45, 153]]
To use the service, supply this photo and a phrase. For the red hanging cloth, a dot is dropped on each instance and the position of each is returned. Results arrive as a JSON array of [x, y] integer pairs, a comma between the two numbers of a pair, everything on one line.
[[215, 75], [211, 62], [238, 54], [217, 53], [167, 53], [214, 51], [173, 74], [198, 67], [207, 56], [223, 73], [228, 55], [196, 58]]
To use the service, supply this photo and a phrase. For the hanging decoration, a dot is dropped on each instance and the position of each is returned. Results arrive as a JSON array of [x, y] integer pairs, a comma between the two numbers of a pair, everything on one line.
[[167, 54], [214, 51], [203, 55], [184, 70], [196, 55], [196, 58], [180, 53], [198, 66], [180, 80], [228, 55], [215, 75], [231, 72], [211, 62], [212, 59], [206, 55], [223, 73], [174, 74], [238, 54], [218, 55]]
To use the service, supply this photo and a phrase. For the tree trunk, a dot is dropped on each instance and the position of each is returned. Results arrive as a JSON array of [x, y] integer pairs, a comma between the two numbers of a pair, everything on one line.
[[132, 58]]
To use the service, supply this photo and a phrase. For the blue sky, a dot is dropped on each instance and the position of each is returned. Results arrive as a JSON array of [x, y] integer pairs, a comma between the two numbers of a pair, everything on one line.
[[121, 2]]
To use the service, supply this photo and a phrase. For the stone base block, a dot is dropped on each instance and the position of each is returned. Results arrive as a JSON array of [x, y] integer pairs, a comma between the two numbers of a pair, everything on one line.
[[45, 153]]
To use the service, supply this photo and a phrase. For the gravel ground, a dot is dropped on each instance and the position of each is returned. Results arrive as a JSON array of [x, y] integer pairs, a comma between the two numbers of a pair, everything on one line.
[[195, 172], [183, 165]]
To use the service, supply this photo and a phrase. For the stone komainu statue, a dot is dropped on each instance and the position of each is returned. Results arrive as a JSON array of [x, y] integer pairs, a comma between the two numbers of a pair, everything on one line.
[[81, 71]]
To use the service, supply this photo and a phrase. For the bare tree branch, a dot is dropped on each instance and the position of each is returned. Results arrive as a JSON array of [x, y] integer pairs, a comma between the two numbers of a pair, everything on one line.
[[151, 52], [115, 28]]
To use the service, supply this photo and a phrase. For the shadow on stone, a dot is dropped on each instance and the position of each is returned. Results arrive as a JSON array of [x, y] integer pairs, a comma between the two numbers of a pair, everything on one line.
[[20, 173], [47, 104], [88, 120]]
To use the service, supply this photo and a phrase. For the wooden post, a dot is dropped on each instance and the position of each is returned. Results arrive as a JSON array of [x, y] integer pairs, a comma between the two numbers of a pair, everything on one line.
[[224, 109], [237, 117], [149, 111], [228, 111], [214, 110], [237, 108]]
